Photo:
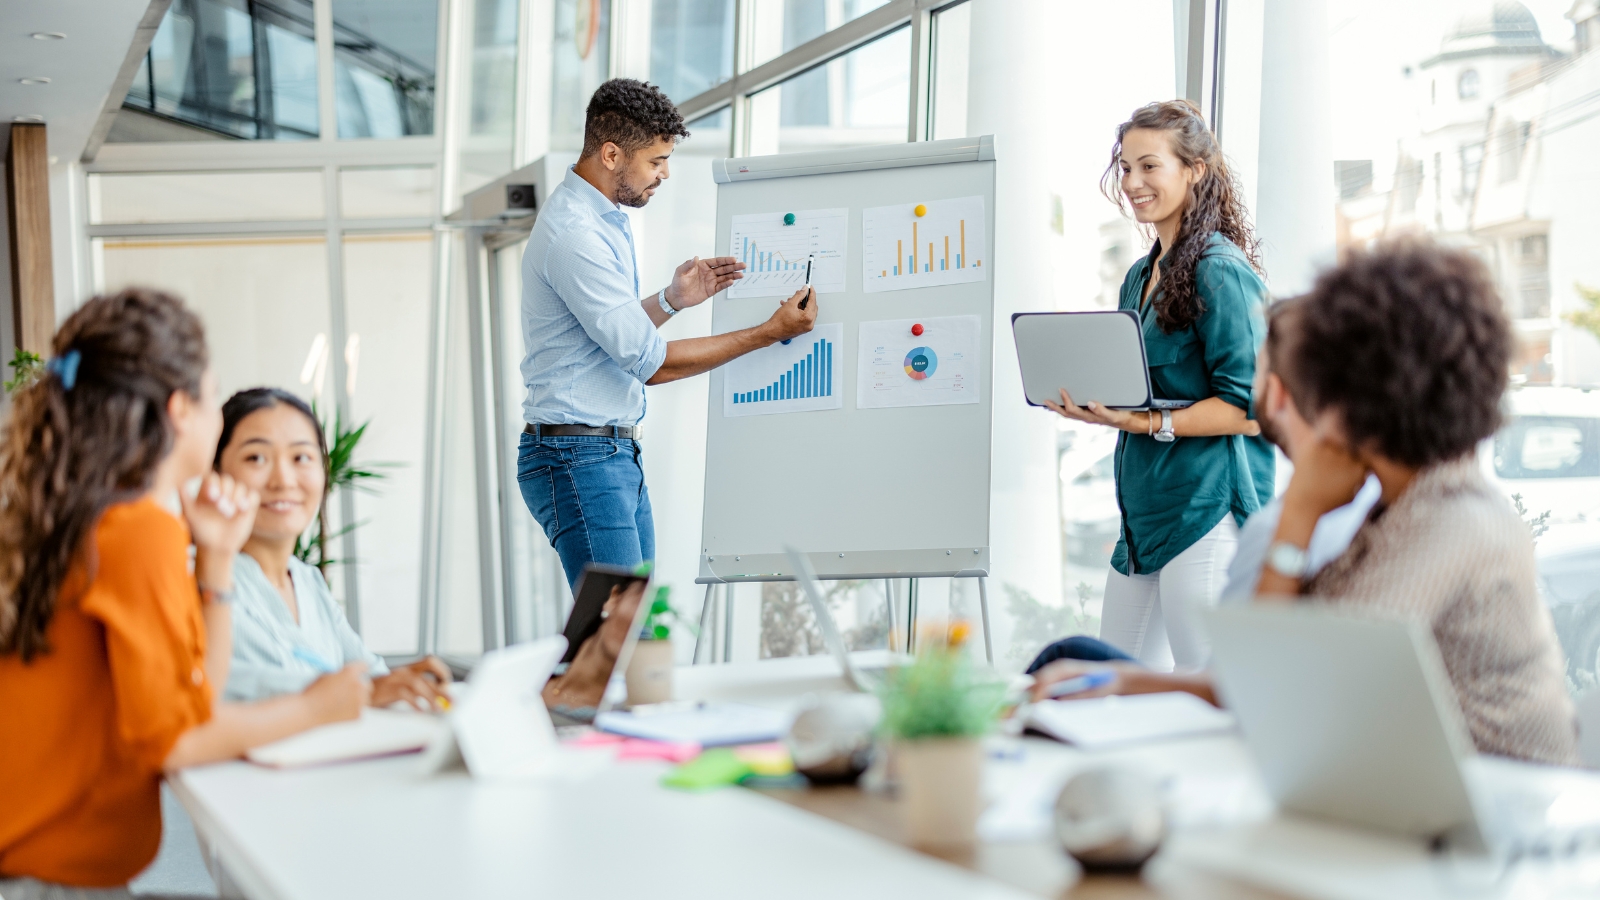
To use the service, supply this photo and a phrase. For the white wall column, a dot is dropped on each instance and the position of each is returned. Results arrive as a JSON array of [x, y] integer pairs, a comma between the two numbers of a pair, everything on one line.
[[1015, 53], [1295, 190]]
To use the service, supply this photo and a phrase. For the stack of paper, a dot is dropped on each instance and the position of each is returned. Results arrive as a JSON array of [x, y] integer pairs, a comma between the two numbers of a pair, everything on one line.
[[709, 725], [379, 732], [1110, 721]]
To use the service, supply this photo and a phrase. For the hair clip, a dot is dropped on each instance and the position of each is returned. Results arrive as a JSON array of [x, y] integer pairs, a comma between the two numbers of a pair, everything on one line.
[[65, 367]]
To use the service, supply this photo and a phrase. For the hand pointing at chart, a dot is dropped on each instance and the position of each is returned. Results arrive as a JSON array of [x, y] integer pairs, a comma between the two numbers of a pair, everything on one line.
[[691, 356], [794, 316]]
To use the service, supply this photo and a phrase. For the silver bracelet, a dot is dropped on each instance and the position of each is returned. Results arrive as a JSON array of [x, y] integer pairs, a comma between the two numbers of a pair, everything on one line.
[[665, 306]]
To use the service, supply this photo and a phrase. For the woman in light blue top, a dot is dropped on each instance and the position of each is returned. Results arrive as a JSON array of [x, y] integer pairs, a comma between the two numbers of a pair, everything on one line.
[[287, 628]]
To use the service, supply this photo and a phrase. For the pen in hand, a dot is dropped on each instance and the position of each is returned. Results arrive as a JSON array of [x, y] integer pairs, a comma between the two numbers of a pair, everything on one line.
[[807, 298]]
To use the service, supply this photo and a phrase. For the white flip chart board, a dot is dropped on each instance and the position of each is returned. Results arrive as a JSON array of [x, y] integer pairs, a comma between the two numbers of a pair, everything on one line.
[[865, 444]]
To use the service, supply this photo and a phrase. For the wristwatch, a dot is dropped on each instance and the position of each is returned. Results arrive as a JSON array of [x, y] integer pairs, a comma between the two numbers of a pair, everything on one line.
[[1288, 560], [665, 306], [1166, 435]]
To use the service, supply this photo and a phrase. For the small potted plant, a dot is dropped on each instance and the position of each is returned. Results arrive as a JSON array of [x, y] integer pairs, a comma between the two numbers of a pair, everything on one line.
[[935, 713], [649, 674]]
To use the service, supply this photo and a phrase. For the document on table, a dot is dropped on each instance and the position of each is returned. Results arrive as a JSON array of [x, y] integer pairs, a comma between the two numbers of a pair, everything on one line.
[[1112, 721], [918, 362], [709, 725], [378, 732]]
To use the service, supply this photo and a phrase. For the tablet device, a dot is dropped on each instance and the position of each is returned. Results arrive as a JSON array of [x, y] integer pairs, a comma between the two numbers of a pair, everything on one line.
[[1096, 356], [594, 589]]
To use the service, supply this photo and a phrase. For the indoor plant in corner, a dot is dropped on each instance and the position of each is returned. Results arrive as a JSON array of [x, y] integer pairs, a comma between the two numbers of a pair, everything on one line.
[[935, 713]]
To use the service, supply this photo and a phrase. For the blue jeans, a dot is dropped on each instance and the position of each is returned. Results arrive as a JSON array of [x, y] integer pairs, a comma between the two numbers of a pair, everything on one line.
[[1079, 646], [588, 495]]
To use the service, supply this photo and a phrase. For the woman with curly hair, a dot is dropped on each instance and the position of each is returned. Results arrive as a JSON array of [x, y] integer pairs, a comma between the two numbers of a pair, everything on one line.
[[113, 650], [1186, 478]]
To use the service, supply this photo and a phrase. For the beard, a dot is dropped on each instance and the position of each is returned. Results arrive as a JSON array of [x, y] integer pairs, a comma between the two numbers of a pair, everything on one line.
[[628, 195], [1268, 430]]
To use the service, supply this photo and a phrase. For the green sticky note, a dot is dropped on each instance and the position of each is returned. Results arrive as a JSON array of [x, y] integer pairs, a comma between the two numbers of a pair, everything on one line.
[[712, 769]]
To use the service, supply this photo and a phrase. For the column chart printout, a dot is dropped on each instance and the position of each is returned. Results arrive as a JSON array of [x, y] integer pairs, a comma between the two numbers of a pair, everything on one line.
[[774, 247], [806, 373], [922, 244], [918, 362]]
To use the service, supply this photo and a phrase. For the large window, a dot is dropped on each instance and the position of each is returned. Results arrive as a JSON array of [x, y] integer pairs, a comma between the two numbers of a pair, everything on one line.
[[248, 69], [691, 45], [1477, 123], [859, 98]]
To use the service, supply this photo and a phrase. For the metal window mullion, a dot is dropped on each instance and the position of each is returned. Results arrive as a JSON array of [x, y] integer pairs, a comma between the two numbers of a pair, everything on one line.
[[327, 114], [430, 584], [919, 118], [505, 459], [484, 440], [338, 330]]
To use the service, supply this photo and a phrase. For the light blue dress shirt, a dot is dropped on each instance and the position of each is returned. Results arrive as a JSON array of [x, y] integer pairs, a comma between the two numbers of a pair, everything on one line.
[[1329, 539], [590, 345], [265, 636]]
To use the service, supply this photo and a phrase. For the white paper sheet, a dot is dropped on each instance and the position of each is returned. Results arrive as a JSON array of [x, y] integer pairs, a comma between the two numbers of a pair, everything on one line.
[[897, 367], [902, 250], [805, 374], [775, 253], [1112, 721]]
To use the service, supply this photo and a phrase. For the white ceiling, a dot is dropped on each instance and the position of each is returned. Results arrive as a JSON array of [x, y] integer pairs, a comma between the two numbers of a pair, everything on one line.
[[81, 67]]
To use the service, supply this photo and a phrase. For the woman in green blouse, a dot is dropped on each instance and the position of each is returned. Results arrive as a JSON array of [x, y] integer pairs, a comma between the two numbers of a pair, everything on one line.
[[1186, 479]]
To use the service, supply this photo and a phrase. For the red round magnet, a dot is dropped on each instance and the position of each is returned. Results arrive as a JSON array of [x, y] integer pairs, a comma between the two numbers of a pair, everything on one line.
[[917, 330]]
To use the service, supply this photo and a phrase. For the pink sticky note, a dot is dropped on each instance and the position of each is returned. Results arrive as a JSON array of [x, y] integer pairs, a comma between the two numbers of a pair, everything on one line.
[[634, 748], [596, 739]]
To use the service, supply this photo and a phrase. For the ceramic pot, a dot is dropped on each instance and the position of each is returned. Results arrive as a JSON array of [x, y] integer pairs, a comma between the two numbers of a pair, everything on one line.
[[938, 781], [649, 672]]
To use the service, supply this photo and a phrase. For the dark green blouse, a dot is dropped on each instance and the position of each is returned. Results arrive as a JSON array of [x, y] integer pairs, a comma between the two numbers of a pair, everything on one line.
[[1172, 494]]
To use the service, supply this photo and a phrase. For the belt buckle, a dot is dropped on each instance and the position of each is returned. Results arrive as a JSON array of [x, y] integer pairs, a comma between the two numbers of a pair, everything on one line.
[[636, 432]]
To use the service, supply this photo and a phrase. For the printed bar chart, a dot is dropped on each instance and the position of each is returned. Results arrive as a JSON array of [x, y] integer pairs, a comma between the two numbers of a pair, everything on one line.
[[774, 253], [903, 250], [804, 374]]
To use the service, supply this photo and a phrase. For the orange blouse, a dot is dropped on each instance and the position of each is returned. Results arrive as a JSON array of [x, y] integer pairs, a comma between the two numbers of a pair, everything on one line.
[[86, 725]]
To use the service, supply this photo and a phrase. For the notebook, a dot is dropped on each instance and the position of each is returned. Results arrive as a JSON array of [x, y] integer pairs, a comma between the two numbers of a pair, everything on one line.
[[378, 732], [1112, 721], [709, 725]]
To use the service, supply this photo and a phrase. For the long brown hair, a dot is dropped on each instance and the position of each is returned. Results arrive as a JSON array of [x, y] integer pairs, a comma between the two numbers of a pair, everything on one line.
[[1214, 206], [86, 435]]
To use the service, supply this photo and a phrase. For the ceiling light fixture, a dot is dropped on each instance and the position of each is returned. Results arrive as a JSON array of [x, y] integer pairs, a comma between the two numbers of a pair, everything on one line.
[[48, 35], [34, 79]]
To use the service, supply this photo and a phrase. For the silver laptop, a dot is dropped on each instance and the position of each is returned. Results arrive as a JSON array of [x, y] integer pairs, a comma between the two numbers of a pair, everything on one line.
[[865, 679], [1097, 356], [1355, 720]]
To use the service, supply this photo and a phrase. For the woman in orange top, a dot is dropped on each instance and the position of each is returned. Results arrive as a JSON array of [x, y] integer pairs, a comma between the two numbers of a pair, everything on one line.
[[105, 679]]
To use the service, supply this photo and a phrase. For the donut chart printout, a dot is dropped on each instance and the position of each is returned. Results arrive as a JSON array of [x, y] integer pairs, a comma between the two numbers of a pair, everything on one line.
[[938, 367]]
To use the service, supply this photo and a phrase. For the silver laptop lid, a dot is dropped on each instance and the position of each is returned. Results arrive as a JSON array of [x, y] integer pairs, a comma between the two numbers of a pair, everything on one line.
[[1351, 719], [807, 577]]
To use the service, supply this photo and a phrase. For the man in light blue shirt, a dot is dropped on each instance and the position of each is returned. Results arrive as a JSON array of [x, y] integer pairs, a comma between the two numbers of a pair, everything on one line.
[[592, 340]]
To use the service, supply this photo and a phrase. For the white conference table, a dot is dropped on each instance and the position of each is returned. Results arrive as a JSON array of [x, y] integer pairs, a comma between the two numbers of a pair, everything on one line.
[[384, 829]]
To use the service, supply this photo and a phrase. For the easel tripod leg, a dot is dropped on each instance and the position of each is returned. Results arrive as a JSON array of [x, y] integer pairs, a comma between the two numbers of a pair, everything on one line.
[[727, 624], [983, 607], [705, 624]]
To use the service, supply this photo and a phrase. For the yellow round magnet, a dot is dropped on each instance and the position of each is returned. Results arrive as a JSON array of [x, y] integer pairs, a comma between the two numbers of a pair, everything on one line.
[[921, 210]]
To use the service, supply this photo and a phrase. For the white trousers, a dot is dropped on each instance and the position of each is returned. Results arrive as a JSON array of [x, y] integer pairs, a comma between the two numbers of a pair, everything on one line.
[[1155, 618]]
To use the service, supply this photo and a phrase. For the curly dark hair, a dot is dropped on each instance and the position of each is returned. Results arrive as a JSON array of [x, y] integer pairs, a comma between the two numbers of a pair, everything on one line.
[[67, 455], [1409, 343], [631, 114], [1215, 206]]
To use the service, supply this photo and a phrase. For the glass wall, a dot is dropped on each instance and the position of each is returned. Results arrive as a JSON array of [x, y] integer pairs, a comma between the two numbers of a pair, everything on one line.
[[248, 69], [580, 62], [238, 68], [860, 98], [691, 45], [778, 26], [384, 52], [489, 105], [1477, 123]]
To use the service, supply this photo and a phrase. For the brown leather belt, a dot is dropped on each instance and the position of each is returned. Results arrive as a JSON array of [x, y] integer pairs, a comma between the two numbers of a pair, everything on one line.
[[622, 432]]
